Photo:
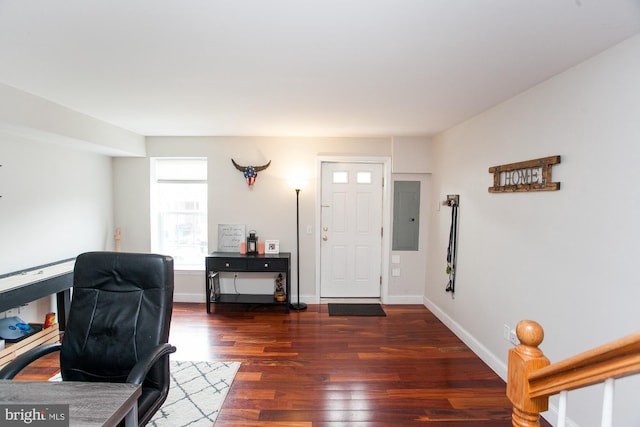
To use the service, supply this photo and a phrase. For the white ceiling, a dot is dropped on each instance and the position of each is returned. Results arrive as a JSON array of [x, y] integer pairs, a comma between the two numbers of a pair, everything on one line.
[[297, 67]]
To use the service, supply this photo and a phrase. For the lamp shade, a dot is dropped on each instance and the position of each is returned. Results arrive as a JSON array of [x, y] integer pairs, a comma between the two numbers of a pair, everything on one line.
[[297, 182]]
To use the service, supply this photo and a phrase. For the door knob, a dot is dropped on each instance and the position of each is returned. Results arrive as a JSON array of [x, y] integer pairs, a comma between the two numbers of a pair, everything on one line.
[[325, 228], [324, 238]]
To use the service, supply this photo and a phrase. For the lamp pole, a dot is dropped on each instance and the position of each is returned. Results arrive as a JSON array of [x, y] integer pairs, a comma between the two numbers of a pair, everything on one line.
[[298, 305]]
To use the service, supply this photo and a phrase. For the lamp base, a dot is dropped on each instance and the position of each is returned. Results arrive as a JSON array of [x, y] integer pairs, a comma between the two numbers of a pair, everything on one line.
[[299, 306]]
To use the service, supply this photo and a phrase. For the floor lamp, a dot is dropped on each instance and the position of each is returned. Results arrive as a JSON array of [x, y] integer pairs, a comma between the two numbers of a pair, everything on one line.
[[297, 185]]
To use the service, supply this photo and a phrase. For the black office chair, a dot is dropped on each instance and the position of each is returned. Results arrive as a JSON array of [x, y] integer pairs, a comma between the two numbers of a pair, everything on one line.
[[118, 326]]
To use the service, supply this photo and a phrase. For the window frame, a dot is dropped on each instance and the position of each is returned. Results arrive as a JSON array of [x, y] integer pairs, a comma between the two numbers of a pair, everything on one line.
[[158, 212]]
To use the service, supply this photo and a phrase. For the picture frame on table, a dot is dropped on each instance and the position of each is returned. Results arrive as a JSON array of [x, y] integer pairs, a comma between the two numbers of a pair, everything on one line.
[[272, 246]]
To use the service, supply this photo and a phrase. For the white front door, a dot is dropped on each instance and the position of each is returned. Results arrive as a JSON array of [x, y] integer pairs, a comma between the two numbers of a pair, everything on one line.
[[351, 230]]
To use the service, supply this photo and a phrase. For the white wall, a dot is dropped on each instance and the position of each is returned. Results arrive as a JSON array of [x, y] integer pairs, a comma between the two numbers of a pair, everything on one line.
[[56, 202], [565, 259], [56, 180], [131, 183], [408, 287], [412, 160], [269, 207], [56, 183]]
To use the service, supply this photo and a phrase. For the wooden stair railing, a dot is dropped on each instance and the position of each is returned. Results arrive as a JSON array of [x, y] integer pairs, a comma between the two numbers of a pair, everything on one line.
[[532, 378]]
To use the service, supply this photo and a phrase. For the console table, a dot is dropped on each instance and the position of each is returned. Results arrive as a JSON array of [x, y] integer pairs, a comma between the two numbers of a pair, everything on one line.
[[235, 262]]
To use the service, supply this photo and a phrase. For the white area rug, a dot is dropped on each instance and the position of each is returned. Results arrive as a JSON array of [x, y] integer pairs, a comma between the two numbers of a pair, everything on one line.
[[196, 394]]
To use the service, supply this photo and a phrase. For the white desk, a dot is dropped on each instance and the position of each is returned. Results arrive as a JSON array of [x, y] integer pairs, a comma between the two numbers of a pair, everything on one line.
[[90, 404], [24, 286]]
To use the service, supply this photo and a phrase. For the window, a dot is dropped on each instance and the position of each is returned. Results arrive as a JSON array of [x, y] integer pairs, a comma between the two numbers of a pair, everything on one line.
[[340, 177], [179, 210], [363, 177]]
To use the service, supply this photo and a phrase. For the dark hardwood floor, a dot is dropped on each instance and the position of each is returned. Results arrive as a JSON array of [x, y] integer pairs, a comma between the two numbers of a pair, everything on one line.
[[309, 369]]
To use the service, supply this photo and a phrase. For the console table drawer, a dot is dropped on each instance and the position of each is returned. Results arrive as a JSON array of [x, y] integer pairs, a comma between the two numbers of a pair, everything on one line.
[[227, 264], [267, 264]]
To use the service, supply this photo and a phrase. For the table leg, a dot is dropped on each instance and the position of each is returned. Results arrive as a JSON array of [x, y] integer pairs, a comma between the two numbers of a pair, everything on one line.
[[131, 419], [207, 293], [63, 299]]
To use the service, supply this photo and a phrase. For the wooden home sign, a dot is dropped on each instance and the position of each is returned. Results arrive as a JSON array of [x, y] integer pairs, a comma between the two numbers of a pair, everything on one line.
[[531, 175]]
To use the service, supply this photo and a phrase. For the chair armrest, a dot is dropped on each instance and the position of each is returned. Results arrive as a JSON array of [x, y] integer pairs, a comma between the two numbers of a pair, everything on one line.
[[22, 361], [140, 369]]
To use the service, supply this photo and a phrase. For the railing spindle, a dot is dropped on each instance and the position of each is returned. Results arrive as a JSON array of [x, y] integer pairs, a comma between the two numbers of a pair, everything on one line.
[[562, 409], [607, 403]]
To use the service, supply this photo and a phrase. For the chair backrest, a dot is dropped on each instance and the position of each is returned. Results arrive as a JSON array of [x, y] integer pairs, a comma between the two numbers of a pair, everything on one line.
[[120, 310]]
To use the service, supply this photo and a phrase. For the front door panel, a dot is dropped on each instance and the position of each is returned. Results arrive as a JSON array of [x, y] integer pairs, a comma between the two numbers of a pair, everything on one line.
[[351, 227]]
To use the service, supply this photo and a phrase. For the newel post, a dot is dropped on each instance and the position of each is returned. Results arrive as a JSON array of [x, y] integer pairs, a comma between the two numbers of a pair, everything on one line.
[[525, 358]]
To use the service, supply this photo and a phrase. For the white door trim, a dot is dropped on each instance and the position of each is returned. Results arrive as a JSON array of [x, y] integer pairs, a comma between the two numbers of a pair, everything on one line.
[[386, 215]]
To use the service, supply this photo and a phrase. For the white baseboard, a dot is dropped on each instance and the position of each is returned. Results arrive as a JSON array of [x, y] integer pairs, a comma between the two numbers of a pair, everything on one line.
[[193, 298], [497, 365], [404, 299]]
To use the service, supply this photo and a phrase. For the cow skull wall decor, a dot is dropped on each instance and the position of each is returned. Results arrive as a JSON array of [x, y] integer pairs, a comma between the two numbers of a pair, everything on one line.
[[250, 172]]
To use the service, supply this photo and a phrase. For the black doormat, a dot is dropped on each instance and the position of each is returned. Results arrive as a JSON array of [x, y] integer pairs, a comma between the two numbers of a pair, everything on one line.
[[356, 310]]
